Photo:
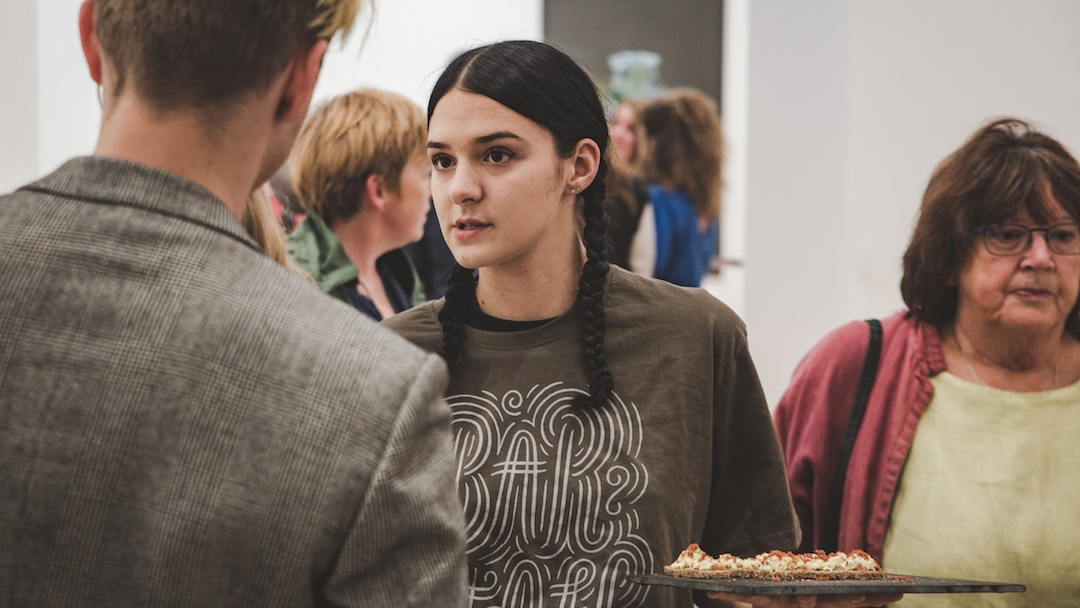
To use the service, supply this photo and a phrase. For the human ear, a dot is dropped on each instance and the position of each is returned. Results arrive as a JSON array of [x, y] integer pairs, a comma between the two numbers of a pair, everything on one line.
[[88, 35], [585, 162], [303, 72], [375, 191]]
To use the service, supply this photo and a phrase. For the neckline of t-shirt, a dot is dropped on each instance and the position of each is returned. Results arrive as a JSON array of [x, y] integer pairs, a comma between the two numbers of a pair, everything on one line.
[[553, 329], [964, 384], [529, 336], [478, 319]]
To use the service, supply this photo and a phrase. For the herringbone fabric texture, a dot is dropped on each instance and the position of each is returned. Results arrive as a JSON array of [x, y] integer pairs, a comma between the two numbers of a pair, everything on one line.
[[184, 423]]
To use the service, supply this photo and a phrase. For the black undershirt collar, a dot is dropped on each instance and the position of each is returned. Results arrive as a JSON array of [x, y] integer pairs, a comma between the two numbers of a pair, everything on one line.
[[478, 319]]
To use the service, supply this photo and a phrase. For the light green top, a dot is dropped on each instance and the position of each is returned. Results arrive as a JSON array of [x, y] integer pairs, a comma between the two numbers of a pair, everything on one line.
[[991, 492]]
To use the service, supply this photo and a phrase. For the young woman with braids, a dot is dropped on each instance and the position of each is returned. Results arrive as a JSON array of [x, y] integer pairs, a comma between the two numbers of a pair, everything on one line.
[[603, 421]]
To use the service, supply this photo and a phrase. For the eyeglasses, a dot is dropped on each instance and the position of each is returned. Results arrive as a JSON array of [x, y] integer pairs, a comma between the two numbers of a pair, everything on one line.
[[1013, 239]]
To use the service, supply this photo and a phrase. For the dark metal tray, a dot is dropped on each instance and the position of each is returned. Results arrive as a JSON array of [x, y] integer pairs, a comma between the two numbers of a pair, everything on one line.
[[892, 583]]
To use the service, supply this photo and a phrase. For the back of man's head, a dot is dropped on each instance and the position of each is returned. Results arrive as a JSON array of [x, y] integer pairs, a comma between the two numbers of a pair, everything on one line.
[[183, 53]]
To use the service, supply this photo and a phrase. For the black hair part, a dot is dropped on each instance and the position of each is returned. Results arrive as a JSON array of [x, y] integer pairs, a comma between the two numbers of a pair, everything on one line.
[[546, 86]]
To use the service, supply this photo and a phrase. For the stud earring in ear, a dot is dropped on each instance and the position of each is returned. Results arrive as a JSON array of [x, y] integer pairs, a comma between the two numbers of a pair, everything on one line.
[[574, 190]]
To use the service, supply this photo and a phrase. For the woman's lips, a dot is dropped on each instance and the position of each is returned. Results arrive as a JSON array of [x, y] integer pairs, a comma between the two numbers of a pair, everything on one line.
[[1032, 292], [467, 229]]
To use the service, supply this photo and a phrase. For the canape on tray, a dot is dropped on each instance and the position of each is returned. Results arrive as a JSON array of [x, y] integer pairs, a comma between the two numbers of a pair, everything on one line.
[[776, 565]]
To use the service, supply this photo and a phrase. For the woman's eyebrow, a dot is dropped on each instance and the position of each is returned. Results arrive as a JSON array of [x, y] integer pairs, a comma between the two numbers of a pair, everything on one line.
[[483, 139]]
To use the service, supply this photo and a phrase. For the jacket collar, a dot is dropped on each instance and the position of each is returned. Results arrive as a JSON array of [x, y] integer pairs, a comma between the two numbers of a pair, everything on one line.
[[111, 181]]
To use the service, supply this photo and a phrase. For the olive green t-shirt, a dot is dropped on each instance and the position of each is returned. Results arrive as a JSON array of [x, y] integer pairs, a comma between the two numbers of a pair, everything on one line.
[[563, 503]]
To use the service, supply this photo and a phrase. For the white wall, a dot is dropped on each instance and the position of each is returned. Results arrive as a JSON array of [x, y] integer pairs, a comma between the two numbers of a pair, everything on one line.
[[851, 103], [411, 41], [730, 284], [49, 110], [18, 102], [796, 152], [67, 97]]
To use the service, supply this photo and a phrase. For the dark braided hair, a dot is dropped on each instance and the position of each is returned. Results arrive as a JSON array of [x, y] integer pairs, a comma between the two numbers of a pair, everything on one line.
[[546, 86], [460, 291]]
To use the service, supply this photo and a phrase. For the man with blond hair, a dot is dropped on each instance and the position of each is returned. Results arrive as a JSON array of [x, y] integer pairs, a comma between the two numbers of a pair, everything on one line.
[[362, 174], [183, 422]]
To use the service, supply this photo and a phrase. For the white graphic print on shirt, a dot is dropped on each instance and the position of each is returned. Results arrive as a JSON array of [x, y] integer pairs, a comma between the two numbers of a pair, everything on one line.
[[549, 492]]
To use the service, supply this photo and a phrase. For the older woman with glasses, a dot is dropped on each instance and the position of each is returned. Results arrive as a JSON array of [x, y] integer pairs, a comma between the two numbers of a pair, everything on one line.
[[961, 458]]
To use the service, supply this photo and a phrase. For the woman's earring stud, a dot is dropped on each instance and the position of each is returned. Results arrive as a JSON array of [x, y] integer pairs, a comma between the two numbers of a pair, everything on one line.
[[574, 190]]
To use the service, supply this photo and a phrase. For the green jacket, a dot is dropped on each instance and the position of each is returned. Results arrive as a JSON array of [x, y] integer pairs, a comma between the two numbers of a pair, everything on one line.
[[319, 253]]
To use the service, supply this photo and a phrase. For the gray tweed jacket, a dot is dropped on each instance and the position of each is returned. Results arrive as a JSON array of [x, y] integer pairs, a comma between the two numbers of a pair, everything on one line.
[[184, 423]]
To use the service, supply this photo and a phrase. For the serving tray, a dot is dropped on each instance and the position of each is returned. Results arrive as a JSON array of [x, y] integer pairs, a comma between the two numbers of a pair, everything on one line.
[[892, 583]]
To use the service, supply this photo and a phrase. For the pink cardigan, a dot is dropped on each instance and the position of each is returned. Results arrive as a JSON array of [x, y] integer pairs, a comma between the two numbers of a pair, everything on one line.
[[813, 413]]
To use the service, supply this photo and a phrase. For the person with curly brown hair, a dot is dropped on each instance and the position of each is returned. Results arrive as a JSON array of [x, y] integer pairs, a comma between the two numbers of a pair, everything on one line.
[[681, 163], [961, 455]]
